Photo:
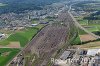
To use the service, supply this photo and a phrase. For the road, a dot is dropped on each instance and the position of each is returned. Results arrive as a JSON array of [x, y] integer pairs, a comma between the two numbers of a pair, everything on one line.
[[81, 27]]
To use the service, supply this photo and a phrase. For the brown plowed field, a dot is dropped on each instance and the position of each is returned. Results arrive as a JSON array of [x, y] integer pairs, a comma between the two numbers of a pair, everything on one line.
[[86, 37]]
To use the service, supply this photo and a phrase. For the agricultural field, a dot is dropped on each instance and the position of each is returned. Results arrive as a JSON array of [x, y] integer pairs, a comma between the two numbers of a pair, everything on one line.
[[86, 37], [93, 18], [23, 37], [88, 25], [6, 54], [16, 40], [92, 28], [90, 45], [14, 43], [82, 21], [90, 20], [85, 41]]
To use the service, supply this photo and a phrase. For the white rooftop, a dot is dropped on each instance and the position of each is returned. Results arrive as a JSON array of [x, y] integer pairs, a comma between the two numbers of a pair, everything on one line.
[[93, 52]]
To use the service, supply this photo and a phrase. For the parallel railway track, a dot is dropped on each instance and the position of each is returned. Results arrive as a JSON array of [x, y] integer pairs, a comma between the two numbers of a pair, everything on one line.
[[48, 40]]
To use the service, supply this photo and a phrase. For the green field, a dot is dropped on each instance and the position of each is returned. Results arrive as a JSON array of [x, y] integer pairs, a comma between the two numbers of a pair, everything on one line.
[[81, 32], [4, 59], [83, 22], [34, 21], [23, 36], [93, 27], [76, 40]]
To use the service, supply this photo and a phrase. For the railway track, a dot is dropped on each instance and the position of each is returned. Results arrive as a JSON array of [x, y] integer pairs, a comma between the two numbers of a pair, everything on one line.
[[47, 41]]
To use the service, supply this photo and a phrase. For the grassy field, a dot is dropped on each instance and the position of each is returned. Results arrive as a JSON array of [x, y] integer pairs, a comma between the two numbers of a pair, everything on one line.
[[34, 21], [4, 59], [77, 40], [94, 27], [97, 26], [81, 21], [23, 36], [81, 32]]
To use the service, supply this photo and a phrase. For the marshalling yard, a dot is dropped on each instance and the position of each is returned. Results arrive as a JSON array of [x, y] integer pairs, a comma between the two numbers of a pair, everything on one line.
[[46, 43], [65, 33], [51, 42]]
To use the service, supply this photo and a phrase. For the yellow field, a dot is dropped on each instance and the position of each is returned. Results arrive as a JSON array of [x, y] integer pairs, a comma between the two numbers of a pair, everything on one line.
[[90, 45]]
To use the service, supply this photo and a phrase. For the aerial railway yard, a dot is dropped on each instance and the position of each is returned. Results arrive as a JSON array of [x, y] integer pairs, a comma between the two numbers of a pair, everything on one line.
[[46, 43]]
